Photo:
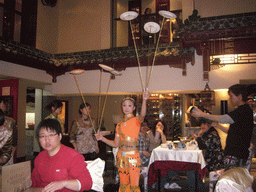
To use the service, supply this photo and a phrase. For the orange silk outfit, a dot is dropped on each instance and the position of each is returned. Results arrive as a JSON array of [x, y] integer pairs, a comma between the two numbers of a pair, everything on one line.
[[128, 161]]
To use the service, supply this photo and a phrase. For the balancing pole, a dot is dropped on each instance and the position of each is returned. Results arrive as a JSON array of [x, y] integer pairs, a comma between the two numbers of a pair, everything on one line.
[[137, 55], [84, 102], [153, 63]]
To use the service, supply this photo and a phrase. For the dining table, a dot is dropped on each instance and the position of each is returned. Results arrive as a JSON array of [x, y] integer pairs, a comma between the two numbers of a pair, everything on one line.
[[164, 160]]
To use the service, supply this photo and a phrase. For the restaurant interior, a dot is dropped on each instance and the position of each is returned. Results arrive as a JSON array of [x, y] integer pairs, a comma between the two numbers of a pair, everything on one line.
[[82, 50]]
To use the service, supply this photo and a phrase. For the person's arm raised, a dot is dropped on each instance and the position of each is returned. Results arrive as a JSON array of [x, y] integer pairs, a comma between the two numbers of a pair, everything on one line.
[[144, 105]]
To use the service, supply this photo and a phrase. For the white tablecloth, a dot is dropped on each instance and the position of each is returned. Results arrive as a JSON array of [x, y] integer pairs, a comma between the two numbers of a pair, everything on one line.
[[192, 156]]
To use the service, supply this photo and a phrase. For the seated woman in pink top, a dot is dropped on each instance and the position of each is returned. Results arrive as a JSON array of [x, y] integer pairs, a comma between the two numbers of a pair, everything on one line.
[[58, 167]]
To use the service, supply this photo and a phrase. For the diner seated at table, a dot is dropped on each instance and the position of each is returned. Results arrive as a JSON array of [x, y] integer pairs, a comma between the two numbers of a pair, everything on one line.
[[58, 167], [157, 135], [208, 140]]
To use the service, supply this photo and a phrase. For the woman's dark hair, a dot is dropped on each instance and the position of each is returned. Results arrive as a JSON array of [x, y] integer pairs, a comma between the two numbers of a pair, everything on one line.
[[238, 89], [55, 104], [83, 106], [2, 99], [2, 120], [145, 121], [153, 129], [49, 124], [145, 12]]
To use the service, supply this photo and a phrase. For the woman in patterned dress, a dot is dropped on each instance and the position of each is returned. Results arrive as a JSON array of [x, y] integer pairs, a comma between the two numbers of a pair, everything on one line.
[[208, 139], [82, 133]]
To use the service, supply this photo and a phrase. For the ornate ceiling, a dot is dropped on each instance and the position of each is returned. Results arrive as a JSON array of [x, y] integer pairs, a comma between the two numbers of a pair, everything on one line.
[[195, 32]]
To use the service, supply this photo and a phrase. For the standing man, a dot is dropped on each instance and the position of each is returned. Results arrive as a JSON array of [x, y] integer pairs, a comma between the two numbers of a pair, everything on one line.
[[240, 130]]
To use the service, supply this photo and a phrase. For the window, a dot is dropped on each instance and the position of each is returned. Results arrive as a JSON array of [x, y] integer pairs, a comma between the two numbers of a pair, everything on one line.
[[10, 21], [18, 20]]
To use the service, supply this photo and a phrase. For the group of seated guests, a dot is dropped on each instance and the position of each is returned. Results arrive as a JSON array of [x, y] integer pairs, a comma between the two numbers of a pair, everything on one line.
[[207, 138], [68, 163], [59, 167], [57, 164]]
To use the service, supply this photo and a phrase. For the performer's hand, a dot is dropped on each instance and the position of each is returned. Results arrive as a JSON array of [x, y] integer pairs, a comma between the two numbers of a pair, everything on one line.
[[98, 135], [54, 186], [145, 94]]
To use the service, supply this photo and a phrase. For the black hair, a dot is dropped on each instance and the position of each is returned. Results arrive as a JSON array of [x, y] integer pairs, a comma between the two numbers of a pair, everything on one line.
[[2, 99], [49, 124], [145, 12], [145, 121], [55, 104], [83, 106], [244, 90], [153, 129], [2, 120], [204, 120]]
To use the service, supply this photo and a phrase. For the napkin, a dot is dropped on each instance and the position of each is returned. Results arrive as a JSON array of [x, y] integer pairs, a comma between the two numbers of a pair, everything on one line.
[[172, 186]]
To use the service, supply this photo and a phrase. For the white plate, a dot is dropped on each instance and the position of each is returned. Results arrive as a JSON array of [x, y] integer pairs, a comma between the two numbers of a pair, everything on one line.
[[77, 71], [129, 15], [107, 68], [152, 27], [167, 14], [164, 145]]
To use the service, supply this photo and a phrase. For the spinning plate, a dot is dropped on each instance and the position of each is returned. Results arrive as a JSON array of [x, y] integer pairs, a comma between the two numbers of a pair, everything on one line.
[[107, 68], [77, 71], [152, 27], [129, 15], [116, 73], [167, 14], [110, 69]]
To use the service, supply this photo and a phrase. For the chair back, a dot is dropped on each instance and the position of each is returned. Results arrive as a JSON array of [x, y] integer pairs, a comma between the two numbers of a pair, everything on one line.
[[96, 169], [235, 180]]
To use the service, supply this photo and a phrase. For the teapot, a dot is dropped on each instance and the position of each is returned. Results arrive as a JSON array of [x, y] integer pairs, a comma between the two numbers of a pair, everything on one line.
[[170, 144], [181, 145]]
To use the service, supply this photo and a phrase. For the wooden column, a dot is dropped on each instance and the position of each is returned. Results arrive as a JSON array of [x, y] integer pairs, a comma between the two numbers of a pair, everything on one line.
[[206, 60]]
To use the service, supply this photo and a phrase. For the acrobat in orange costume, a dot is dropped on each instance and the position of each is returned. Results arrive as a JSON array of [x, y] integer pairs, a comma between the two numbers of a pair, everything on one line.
[[128, 157]]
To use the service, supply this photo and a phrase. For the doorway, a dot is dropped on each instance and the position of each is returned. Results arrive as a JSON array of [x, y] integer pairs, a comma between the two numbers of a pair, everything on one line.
[[33, 117]]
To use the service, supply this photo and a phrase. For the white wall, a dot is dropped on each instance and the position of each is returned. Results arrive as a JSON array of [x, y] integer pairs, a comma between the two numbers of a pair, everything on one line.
[[163, 78], [19, 71]]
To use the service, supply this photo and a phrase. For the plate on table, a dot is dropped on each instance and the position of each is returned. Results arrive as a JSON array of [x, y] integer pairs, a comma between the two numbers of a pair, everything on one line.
[[164, 145]]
